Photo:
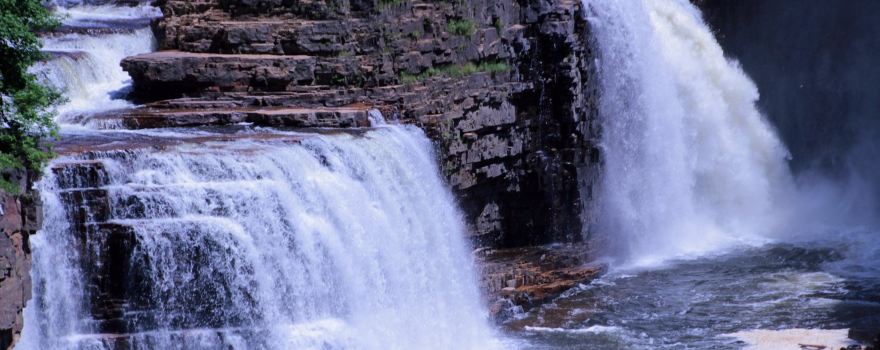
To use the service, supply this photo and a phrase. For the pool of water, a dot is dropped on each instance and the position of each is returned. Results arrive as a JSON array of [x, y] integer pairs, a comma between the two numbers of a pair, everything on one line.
[[810, 292]]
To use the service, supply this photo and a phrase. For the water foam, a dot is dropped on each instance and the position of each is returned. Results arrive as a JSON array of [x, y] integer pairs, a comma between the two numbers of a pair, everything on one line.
[[690, 165], [85, 65], [337, 242], [794, 339]]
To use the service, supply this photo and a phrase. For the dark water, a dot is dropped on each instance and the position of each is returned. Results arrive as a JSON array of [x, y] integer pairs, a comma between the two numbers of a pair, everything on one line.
[[693, 304], [815, 64]]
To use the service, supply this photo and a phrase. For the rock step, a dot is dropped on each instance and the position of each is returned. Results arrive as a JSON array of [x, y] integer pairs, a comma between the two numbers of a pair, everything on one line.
[[86, 206], [105, 251], [171, 74], [147, 118], [199, 338], [139, 202], [123, 144], [304, 96], [97, 30], [278, 36], [184, 7], [116, 265], [308, 9], [80, 174]]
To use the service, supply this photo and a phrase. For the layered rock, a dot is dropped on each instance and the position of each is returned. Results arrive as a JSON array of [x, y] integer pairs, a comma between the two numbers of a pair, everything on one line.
[[20, 217], [505, 88]]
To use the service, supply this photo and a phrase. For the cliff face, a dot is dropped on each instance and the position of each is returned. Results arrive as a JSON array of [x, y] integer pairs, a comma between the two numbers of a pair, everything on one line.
[[504, 87], [20, 217]]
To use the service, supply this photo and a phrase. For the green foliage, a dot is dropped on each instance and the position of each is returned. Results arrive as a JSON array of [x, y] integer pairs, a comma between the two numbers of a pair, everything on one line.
[[498, 25], [384, 4], [461, 27], [26, 105], [455, 71]]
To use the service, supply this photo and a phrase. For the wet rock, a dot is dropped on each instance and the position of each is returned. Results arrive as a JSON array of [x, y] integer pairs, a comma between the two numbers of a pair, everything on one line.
[[146, 118], [518, 279], [20, 217], [516, 142], [868, 338]]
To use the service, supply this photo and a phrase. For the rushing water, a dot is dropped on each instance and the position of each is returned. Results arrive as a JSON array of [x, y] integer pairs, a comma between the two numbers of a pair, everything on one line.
[[86, 52], [808, 291], [690, 165], [336, 242], [255, 240], [352, 241], [712, 244]]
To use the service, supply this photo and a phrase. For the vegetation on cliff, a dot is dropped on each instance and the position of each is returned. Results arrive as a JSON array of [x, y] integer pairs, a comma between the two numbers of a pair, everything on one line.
[[26, 113], [456, 71]]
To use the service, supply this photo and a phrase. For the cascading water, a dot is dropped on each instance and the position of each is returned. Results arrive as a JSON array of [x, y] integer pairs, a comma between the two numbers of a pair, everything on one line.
[[239, 239], [692, 176], [690, 165], [336, 241], [86, 51]]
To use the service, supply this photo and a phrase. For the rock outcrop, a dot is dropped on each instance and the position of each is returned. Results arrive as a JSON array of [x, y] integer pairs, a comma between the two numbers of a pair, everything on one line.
[[517, 279], [506, 88], [20, 217]]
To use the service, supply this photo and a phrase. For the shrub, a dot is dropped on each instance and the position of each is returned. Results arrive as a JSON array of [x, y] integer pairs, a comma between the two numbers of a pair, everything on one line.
[[26, 105], [461, 27], [455, 71]]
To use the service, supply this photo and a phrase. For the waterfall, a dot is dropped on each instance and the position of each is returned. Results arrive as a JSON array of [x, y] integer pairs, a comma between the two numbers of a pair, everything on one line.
[[85, 53], [690, 165], [331, 242]]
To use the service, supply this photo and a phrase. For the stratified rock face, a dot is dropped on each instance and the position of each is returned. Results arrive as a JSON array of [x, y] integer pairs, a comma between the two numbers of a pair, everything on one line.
[[20, 217], [505, 88]]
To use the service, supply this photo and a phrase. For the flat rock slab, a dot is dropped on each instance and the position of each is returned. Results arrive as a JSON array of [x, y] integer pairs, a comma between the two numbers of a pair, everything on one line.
[[150, 118], [174, 73], [78, 143]]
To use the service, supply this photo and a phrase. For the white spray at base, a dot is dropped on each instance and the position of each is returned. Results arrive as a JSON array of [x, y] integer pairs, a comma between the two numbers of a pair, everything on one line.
[[690, 165], [337, 242]]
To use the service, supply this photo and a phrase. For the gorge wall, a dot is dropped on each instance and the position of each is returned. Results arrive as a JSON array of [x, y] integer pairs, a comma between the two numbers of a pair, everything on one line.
[[505, 88], [20, 217]]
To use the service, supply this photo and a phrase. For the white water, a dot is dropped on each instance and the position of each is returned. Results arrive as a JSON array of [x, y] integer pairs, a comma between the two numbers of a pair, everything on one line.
[[86, 66], [339, 242], [690, 165]]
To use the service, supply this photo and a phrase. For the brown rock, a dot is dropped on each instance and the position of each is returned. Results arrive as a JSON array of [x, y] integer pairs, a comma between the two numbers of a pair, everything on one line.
[[527, 277]]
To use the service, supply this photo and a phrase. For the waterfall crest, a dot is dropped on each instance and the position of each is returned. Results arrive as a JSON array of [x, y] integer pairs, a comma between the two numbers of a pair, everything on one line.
[[690, 165], [333, 242]]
